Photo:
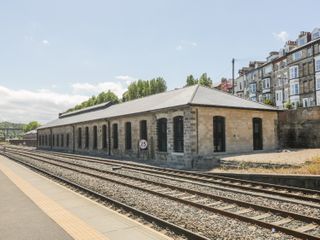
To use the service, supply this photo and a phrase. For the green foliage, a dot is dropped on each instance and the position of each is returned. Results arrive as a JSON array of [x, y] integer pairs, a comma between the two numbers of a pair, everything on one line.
[[268, 102], [94, 100], [31, 126], [204, 80], [288, 105], [142, 88], [191, 80], [11, 133]]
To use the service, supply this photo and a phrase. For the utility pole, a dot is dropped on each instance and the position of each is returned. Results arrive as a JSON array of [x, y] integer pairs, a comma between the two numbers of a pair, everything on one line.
[[233, 76]]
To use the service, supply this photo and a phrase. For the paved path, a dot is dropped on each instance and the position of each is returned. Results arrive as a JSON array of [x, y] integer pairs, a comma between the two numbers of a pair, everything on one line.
[[34, 207]]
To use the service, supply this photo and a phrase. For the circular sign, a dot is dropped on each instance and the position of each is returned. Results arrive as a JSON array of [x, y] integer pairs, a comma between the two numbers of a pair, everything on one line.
[[143, 144]]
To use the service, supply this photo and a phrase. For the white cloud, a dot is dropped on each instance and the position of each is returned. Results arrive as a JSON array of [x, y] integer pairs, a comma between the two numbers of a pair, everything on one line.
[[282, 36], [40, 105], [179, 48], [45, 42], [186, 44], [93, 89], [127, 79]]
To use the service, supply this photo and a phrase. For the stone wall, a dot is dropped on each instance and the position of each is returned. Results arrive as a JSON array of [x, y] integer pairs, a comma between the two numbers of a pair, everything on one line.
[[300, 128], [198, 135], [239, 132]]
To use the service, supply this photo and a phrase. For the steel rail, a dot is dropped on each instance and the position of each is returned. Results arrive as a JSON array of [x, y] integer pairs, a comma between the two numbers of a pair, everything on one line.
[[205, 178], [139, 213], [201, 206]]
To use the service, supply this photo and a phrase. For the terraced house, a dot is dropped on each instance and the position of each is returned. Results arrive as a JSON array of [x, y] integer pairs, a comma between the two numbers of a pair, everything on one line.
[[287, 78], [185, 128]]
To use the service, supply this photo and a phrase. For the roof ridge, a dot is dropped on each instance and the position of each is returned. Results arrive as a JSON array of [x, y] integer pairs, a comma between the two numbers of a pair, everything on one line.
[[247, 100], [194, 93]]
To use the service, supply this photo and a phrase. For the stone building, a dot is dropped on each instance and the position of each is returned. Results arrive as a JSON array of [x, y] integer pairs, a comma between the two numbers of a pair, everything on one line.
[[291, 75], [184, 128]]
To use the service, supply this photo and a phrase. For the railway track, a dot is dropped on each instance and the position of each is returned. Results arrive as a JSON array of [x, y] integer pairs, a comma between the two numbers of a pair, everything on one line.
[[266, 217], [250, 187]]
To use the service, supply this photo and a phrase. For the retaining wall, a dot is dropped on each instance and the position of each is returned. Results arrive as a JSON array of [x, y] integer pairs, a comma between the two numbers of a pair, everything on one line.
[[299, 128]]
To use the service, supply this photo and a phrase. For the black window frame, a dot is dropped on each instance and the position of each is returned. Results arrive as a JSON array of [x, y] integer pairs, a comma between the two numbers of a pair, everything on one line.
[[219, 139], [162, 128], [58, 140], [62, 140], [79, 137], [178, 134], [67, 140], [257, 143], [128, 136], [95, 137], [86, 141], [143, 130], [115, 136], [104, 136]]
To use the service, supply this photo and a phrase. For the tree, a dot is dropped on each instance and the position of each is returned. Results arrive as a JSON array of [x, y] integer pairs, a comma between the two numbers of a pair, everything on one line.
[[31, 126], [204, 80], [191, 80], [102, 97], [142, 88]]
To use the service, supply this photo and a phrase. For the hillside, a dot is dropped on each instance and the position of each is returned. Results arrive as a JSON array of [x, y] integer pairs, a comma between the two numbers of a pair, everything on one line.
[[11, 133]]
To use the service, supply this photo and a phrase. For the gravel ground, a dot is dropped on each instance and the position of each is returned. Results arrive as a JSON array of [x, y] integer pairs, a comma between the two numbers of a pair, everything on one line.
[[284, 156], [211, 225], [292, 207]]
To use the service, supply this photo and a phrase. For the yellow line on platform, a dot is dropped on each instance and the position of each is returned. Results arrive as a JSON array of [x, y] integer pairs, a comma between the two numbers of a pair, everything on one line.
[[74, 226]]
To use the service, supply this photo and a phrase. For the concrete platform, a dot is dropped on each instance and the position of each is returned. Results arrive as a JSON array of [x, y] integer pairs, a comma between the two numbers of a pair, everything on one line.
[[34, 207]]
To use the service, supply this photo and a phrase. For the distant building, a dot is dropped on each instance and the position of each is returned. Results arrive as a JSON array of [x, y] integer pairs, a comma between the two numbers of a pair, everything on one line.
[[225, 85], [290, 76]]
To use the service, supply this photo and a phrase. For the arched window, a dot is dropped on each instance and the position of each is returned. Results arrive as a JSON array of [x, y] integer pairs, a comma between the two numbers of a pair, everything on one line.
[[95, 137], [50, 140], [86, 143], [58, 140], [219, 134], [79, 138], [67, 141], [257, 134], [178, 134], [62, 140], [128, 139], [104, 136], [115, 135], [162, 134], [53, 140], [143, 130]]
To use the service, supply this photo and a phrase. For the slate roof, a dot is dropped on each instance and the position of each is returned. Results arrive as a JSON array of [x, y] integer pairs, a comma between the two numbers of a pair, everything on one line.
[[193, 95]]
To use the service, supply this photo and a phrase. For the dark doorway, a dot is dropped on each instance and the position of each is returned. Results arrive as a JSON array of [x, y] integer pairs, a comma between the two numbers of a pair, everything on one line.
[[257, 134], [219, 134]]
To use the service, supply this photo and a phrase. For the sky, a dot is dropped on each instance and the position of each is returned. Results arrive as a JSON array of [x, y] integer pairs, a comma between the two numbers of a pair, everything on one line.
[[55, 54]]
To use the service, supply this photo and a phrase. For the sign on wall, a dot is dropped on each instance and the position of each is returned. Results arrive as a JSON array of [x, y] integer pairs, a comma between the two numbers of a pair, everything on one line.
[[143, 144]]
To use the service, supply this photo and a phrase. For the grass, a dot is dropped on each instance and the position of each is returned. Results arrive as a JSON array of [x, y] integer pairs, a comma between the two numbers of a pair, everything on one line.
[[311, 167]]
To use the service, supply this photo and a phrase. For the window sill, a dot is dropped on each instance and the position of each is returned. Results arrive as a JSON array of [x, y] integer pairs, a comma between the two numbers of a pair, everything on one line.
[[177, 153]]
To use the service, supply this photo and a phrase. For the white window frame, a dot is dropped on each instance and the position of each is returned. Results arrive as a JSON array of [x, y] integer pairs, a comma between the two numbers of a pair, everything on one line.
[[317, 64], [318, 82], [294, 72]]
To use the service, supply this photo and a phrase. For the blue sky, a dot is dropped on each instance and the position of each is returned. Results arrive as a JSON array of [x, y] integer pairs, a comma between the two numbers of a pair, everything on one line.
[[69, 49]]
